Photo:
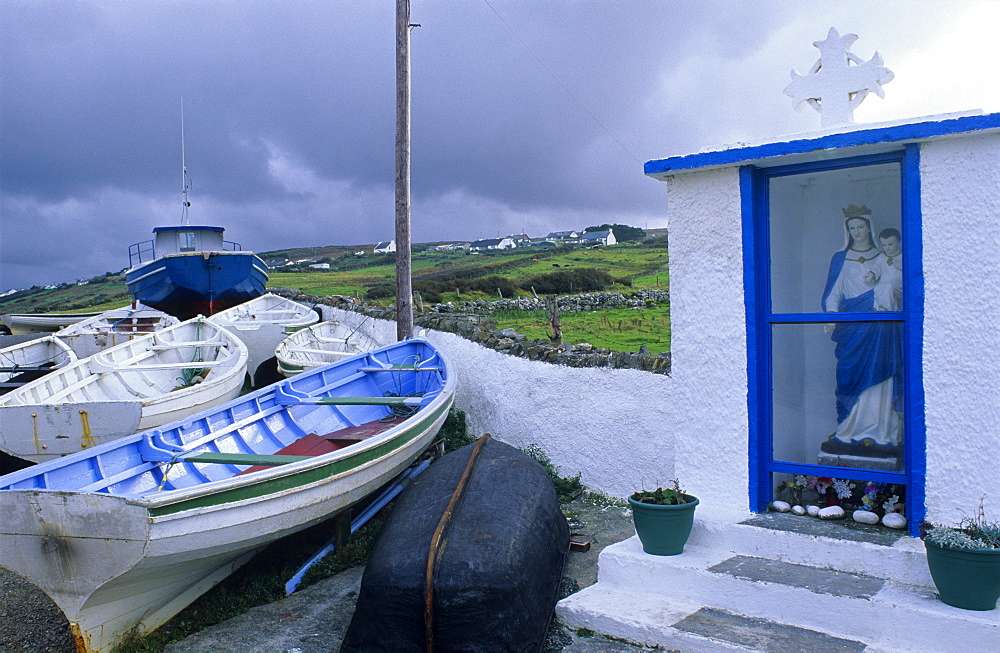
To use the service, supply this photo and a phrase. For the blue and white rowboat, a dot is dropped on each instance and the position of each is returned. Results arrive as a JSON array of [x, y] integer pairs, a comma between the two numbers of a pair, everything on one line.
[[130, 532]]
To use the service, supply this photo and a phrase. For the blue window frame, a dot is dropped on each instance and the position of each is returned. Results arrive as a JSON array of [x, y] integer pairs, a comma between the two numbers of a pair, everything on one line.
[[785, 316]]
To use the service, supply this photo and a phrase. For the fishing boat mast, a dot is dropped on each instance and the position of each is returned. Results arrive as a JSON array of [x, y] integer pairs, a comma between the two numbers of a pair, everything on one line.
[[404, 284], [186, 185]]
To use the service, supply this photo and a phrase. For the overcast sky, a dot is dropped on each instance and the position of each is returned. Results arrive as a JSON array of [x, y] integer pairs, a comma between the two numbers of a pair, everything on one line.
[[527, 116]]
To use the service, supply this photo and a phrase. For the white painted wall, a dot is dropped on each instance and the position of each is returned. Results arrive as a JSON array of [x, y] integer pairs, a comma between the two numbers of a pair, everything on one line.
[[708, 411], [609, 425], [960, 187], [624, 429], [628, 429]]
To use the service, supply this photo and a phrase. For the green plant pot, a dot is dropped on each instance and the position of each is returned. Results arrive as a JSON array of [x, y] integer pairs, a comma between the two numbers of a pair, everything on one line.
[[965, 579], [663, 530]]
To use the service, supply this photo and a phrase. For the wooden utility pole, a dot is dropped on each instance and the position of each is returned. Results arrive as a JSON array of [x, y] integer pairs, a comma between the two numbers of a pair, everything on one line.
[[404, 285]]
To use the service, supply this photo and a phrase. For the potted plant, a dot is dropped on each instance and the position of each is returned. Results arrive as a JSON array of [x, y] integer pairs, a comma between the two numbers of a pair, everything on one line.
[[965, 562], [663, 519]]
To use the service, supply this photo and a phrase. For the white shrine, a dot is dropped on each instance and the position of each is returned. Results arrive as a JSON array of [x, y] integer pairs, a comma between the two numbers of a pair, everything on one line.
[[835, 304]]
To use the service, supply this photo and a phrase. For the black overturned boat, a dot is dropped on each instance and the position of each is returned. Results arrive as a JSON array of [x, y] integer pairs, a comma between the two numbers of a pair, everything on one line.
[[484, 527]]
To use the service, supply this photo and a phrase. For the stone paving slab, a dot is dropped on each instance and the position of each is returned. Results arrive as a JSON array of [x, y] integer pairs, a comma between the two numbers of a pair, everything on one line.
[[838, 529], [815, 579], [763, 635]]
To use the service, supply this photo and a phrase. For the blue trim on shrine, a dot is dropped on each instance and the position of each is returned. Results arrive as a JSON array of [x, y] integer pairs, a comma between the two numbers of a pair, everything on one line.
[[915, 451], [759, 492], [754, 207], [873, 136]]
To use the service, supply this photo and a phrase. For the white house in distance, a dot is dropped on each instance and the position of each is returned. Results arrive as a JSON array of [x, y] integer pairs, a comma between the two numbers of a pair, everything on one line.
[[602, 238], [493, 243], [385, 247]]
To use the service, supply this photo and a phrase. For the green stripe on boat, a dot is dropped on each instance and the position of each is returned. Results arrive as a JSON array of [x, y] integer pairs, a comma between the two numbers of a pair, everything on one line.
[[306, 476]]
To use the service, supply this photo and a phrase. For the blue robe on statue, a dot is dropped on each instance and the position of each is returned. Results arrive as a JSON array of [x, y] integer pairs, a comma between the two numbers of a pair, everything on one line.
[[869, 359]]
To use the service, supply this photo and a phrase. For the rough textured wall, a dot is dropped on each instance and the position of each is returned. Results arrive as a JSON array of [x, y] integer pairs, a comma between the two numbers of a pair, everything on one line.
[[960, 184], [610, 425], [708, 420], [622, 428]]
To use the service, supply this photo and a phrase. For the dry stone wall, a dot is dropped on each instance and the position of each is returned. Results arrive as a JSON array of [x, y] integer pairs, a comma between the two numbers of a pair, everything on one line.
[[472, 320]]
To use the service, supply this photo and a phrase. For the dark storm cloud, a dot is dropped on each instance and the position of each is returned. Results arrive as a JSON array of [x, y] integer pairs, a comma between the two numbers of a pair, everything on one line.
[[290, 114]]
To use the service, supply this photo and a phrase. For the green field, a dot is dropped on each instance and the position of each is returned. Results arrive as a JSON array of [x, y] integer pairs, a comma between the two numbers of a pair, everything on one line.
[[620, 329], [630, 266], [644, 266]]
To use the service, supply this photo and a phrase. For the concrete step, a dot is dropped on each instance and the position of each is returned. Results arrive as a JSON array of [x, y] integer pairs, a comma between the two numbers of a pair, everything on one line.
[[643, 597], [873, 551], [659, 622]]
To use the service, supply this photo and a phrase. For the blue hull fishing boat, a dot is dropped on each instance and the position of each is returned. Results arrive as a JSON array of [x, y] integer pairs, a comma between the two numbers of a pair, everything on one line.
[[125, 534], [190, 270]]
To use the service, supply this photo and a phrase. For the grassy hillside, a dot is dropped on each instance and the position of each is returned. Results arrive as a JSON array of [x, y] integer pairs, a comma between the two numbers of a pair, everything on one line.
[[637, 265], [102, 293], [444, 276]]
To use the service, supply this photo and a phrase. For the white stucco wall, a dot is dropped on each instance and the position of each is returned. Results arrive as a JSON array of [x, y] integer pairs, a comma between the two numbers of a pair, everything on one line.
[[609, 425], [960, 187], [623, 429], [708, 418]]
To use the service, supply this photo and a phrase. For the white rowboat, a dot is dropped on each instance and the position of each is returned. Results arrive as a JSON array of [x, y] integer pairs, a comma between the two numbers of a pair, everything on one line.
[[113, 327], [31, 359], [262, 323], [128, 533], [319, 344], [138, 384], [21, 323]]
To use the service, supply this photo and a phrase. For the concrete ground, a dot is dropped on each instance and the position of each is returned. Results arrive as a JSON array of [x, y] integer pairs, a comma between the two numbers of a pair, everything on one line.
[[315, 619]]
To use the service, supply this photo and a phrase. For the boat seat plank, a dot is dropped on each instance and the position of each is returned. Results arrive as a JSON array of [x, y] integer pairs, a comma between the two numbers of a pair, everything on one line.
[[325, 352], [400, 368], [189, 447], [166, 366], [28, 368], [243, 458], [108, 481], [353, 434], [364, 401]]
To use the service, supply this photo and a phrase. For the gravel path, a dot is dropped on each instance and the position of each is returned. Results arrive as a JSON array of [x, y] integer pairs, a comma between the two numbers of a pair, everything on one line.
[[29, 620]]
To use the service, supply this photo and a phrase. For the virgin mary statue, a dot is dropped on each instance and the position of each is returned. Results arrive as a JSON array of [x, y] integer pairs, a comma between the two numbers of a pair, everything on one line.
[[869, 354]]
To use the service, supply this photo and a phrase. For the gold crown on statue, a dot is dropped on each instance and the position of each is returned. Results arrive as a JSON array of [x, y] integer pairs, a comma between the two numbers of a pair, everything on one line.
[[856, 211]]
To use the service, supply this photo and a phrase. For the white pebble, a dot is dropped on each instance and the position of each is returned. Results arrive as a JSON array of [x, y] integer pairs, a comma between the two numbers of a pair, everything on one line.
[[812, 511], [894, 520], [831, 512], [865, 516], [780, 506], [798, 510]]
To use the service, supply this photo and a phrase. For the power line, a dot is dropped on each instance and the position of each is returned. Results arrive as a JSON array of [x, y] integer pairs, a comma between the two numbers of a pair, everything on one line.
[[560, 82]]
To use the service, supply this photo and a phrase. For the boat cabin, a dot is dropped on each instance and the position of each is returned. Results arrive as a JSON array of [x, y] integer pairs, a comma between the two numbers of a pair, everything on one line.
[[180, 240]]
